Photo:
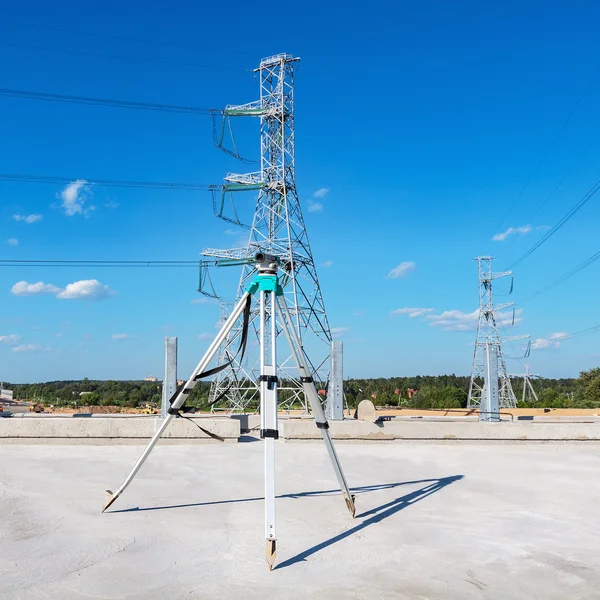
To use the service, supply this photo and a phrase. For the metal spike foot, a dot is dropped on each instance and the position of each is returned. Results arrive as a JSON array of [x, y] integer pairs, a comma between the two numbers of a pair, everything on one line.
[[270, 547], [110, 498], [350, 504]]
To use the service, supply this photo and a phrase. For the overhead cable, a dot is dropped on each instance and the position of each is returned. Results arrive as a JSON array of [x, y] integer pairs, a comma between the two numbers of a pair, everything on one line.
[[119, 57], [122, 38], [586, 197], [566, 337], [550, 148], [175, 108], [163, 185], [100, 263], [586, 263]]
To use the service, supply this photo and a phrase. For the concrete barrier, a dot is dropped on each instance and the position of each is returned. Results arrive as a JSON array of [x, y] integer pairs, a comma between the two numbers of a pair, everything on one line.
[[105, 429], [305, 429]]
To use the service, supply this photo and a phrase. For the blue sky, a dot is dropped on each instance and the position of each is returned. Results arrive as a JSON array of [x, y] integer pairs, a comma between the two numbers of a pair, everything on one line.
[[418, 126]]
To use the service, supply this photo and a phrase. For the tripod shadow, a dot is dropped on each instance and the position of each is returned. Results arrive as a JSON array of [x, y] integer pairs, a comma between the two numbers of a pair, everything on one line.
[[432, 483], [378, 514]]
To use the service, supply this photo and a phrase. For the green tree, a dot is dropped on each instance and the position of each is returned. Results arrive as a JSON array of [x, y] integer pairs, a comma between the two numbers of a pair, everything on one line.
[[588, 389]]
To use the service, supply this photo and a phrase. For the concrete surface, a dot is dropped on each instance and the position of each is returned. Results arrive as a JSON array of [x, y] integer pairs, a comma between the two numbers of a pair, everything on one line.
[[420, 429], [121, 429], [453, 522]]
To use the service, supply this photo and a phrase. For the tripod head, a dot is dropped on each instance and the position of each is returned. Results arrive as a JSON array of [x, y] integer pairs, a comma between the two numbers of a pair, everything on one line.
[[266, 264]]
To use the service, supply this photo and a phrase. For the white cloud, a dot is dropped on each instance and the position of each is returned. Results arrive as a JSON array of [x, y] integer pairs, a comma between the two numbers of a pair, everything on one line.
[[10, 340], [28, 218], [31, 348], [22, 288], [327, 264], [339, 331], [456, 320], [203, 300], [551, 342], [500, 237], [12, 241], [206, 336], [314, 206], [358, 313], [321, 193], [74, 197], [120, 336], [404, 268], [111, 204], [86, 289], [412, 312]]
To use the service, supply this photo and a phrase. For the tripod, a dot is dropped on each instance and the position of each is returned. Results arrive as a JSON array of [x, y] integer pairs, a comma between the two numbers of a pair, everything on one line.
[[272, 305]]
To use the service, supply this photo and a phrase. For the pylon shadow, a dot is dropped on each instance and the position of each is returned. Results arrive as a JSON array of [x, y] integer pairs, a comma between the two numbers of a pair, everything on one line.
[[378, 514]]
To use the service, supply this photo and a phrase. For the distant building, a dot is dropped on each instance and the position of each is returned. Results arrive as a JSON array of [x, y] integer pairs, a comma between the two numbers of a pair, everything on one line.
[[150, 378], [6, 394], [410, 392]]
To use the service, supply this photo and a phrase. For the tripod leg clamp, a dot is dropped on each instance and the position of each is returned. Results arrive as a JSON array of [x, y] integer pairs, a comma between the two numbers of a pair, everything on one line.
[[322, 425], [307, 380], [269, 433], [271, 380]]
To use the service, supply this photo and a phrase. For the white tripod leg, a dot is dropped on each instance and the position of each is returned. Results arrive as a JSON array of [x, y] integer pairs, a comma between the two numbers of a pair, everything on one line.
[[268, 416], [181, 396], [313, 397]]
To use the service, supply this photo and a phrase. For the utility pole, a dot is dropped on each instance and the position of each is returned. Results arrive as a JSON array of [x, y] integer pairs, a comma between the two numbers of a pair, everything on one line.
[[489, 408], [169, 386], [488, 336], [335, 396], [278, 229]]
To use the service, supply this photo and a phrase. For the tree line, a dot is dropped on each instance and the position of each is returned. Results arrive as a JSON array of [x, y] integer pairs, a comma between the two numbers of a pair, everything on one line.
[[419, 392]]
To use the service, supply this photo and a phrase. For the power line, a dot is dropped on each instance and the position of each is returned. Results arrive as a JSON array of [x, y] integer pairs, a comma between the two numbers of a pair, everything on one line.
[[587, 196], [569, 336], [550, 148], [161, 185], [175, 108], [562, 180], [586, 263], [100, 263], [119, 57], [123, 38], [551, 194]]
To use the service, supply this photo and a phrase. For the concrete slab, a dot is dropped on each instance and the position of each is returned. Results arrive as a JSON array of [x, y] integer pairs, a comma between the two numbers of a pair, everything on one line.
[[433, 521], [76, 429], [420, 429]]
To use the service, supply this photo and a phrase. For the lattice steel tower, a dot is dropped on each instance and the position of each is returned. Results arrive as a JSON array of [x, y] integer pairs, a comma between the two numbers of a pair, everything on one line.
[[487, 333], [277, 228]]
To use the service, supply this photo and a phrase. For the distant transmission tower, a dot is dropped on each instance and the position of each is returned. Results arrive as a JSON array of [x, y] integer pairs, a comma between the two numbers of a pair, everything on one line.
[[277, 228], [528, 391], [487, 334]]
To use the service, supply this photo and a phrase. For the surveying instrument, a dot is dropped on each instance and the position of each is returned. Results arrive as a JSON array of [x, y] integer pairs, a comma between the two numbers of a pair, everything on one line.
[[273, 311]]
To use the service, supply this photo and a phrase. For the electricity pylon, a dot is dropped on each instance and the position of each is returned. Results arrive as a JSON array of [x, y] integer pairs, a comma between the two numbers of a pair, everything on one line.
[[487, 334], [528, 391], [278, 229]]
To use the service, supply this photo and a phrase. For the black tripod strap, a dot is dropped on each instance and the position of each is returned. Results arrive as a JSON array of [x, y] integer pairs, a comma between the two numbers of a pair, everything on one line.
[[241, 351], [206, 431]]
